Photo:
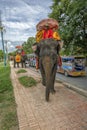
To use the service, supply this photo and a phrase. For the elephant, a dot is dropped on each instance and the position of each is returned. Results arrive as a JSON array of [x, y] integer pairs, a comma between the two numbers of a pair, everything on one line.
[[48, 51], [15, 62], [23, 60]]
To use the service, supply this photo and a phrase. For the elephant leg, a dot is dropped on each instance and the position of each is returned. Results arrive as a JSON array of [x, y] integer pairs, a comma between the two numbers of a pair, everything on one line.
[[47, 94], [53, 79], [43, 75], [22, 64], [14, 63], [18, 64]]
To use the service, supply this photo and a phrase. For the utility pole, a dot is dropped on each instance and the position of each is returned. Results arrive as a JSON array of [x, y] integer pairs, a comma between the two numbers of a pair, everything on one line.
[[6, 49], [2, 29]]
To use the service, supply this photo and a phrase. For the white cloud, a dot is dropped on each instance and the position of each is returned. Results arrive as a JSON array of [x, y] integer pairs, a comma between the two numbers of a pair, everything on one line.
[[19, 25], [21, 16]]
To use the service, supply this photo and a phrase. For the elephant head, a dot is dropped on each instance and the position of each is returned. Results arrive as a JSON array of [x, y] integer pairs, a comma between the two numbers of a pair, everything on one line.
[[48, 50]]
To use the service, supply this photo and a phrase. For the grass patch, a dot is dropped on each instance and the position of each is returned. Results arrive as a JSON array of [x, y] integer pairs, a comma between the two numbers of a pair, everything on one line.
[[21, 71], [27, 81], [8, 114], [9, 121]]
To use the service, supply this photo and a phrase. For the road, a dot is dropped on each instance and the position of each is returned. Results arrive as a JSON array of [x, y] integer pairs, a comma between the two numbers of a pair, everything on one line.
[[80, 82]]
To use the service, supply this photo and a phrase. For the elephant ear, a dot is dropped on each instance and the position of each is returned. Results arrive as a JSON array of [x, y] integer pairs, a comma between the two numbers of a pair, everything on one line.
[[57, 43], [36, 48]]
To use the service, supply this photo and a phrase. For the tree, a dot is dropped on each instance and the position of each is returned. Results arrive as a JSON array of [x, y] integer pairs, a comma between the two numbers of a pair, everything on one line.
[[27, 46], [1, 54], [72, 18]]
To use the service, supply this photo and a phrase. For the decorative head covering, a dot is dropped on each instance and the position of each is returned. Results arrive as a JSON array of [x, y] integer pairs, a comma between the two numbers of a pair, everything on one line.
[[46, 25]]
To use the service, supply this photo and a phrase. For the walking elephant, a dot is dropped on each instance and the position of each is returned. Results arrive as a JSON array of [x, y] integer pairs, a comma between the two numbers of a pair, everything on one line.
[[47, 51], [23, 61]]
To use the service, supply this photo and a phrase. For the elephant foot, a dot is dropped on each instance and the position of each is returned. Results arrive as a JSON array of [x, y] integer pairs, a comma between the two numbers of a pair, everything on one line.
[[44, 83], [47, 100], [53, 91]]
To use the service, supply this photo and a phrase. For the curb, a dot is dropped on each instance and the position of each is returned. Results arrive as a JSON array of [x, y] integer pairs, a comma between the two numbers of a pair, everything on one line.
[[72, 87]]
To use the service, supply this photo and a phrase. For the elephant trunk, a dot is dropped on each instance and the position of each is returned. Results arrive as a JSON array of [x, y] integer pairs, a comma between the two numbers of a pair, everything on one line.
[[48, 74]]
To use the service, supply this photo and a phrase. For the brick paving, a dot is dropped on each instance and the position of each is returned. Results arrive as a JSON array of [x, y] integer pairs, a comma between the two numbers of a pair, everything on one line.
[[66, 110]]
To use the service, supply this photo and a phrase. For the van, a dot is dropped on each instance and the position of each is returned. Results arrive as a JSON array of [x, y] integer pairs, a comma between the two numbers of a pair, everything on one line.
[[72, 66]]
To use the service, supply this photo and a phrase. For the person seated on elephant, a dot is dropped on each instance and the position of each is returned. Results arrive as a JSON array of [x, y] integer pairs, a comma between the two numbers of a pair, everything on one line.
[[52, 33], [39, 35], [22, 52], [47, 32], [57, 37], [23, 58]]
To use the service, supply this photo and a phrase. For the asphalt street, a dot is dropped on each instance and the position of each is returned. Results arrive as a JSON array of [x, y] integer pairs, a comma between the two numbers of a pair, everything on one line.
[[80, 82]]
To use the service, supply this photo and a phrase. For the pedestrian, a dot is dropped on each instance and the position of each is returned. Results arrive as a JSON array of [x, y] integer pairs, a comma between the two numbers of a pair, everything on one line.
[[59, 62]]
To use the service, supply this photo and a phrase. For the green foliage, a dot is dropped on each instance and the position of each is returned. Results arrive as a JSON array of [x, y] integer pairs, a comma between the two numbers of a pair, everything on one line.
[[9, 121], [5, 82], [27, 81], [1, 54], [8, 115], [72, 18], [21, 71], [12, 53], [27, 46]]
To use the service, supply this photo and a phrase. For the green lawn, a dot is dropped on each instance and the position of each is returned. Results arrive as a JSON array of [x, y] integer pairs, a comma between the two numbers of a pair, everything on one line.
[[27, 81], [8, 114], [21, 71]]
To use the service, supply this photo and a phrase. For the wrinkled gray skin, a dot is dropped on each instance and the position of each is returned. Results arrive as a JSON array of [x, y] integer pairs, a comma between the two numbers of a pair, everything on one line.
[[48, 50], [23, 59]]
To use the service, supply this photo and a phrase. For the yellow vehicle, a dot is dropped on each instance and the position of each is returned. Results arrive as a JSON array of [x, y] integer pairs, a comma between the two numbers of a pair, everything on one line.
[[73, 66]]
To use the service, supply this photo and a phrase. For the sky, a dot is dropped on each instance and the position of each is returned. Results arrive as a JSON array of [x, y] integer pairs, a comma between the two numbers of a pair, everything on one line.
[[19, 18]]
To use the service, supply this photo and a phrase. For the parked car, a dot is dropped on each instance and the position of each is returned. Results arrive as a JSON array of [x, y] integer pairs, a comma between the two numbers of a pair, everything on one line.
[[73, 66]]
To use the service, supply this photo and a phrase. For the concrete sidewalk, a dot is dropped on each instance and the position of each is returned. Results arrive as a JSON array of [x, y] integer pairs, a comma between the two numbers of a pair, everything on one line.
[[66, 110]]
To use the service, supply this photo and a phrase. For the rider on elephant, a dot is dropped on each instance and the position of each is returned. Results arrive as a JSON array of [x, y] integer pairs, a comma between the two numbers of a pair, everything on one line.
[[22, 52], [47, 33], [23, 58], [39, 35]]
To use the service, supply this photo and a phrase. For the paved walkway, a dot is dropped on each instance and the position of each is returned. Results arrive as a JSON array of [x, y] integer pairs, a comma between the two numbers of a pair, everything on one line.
[[66, 110]]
